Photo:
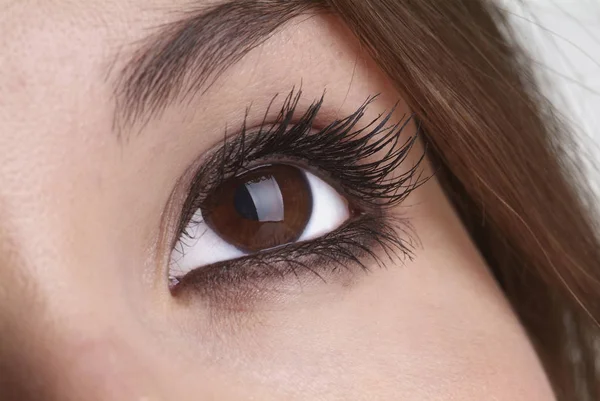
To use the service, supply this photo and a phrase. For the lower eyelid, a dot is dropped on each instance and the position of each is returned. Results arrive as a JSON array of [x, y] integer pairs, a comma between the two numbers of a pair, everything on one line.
[[355, 247]]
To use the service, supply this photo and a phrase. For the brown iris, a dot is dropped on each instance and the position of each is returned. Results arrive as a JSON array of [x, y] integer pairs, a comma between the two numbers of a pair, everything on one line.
[[261, 209]]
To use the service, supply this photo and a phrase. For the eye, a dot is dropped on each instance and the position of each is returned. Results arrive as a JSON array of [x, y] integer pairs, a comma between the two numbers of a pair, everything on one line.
[[264, 208]]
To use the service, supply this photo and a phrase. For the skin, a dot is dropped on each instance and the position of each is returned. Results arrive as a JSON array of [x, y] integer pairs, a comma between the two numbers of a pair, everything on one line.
[[85, 310]]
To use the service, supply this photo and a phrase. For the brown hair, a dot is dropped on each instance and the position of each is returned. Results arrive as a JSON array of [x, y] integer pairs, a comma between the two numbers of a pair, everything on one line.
[[505, 161]]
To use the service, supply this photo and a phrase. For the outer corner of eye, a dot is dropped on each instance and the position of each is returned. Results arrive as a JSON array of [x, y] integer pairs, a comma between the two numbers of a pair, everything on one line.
[[262, 209]]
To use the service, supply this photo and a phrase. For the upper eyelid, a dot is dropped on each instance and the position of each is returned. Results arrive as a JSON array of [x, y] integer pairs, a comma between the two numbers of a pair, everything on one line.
[[372, 189]]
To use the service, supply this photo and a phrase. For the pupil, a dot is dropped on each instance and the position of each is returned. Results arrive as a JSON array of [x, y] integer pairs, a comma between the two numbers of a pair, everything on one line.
[[244, 205]]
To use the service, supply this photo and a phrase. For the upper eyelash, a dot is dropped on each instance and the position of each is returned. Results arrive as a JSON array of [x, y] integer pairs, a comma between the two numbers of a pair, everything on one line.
[[339, 150]]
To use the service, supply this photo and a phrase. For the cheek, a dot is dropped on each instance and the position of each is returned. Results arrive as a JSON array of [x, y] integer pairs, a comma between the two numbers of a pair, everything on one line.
[[433, 328]]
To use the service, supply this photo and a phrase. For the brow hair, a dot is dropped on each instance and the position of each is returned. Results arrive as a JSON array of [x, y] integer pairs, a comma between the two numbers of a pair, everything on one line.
[[183, 58]]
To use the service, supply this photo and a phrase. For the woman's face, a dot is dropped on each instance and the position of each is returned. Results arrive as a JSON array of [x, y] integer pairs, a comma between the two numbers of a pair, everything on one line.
[[106, 132]]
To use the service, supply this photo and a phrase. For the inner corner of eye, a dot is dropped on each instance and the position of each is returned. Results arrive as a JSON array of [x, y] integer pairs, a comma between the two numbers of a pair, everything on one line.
[[264, 208]]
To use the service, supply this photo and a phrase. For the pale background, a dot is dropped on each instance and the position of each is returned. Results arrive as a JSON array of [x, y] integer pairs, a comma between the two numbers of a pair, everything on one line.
[[564, 40]]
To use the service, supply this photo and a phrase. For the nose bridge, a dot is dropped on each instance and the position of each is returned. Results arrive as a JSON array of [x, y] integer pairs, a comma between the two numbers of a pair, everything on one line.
[[44, 357], [18, 302], [25, 371], [52, 349], [16, 353]]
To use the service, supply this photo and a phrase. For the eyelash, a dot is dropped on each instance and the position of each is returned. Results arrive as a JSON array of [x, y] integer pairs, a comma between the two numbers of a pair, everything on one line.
[[346, 157]]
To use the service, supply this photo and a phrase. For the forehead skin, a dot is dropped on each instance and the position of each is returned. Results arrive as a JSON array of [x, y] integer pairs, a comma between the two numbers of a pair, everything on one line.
[[85, 312]]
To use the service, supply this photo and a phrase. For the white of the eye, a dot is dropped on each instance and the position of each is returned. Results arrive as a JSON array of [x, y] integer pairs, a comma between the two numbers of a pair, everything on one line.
[[203, 246], [329, 212]]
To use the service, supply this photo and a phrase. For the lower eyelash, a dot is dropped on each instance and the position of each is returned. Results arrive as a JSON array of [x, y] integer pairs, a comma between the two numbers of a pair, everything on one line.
[[376, 238]]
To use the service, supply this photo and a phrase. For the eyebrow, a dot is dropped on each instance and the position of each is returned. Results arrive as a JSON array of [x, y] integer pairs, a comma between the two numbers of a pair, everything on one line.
[[182, 58]]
